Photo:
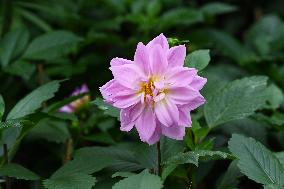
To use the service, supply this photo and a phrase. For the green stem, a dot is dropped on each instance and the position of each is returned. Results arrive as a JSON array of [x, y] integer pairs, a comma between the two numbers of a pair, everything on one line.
[[159, 168], [6, 158], [7, 16]]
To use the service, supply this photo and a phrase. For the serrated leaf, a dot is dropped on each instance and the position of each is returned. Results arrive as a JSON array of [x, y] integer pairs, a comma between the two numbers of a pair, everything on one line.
[[237, 100], [216, 8], [51, 45], [256, 161], [12, 45], [2, 107], [33, 101], [192, 157], [143, 180], [280, 156], [231, 176], [72, 181], [108, 109], [18, 171], [198, 59]]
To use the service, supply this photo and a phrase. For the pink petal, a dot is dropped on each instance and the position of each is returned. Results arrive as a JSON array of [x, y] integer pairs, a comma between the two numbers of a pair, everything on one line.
[[129, 115], [141, 58], [198, 82], [176, 55], [128, 75], [166, 112], [156, 135], [146, 124], [84, 89], [184, 116], [66, 109], [174, 132], [110, 89], [183, 95], [158, 61], [124, 100], [160, 40], [196, 102], [119, 61], [180, 76]]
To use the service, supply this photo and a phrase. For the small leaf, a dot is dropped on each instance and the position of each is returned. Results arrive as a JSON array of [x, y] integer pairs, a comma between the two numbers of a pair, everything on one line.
[[108, 109], [198, 59], [12, 45], [33, 101], [274, 97], [17, 171], [256, 161], [237, 100], [143, 180], [217, 8], [51, 45]]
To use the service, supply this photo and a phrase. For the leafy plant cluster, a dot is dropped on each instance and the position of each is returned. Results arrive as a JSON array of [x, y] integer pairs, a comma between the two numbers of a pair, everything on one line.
[[47, 48]]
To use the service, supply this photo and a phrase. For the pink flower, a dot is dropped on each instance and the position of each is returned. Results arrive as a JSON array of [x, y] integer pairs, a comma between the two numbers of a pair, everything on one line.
[[77, 104], [154, 92]]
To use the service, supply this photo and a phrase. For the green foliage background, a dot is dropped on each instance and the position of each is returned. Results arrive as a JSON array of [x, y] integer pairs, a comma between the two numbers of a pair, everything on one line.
[[50, 47]]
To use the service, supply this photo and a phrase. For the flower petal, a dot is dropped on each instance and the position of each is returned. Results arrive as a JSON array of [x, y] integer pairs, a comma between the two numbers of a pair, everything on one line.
[[180, 76], [158, 60], [146, 124], [198, 82], [175, 132], [176, 55], [184, 116], [156, 135], [110, 89], [160, 40], [167, 112], [128, 75], [183, 95], [129, 115], [119, 61], [141, 58], [125, 100], [67, 109]]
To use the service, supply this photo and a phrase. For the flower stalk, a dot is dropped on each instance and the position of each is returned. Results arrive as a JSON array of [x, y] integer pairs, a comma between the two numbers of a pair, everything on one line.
[[159, 167], [6, 159]]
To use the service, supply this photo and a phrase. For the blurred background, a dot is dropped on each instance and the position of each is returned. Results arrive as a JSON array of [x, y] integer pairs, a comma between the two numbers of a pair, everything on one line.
[[76, 39]]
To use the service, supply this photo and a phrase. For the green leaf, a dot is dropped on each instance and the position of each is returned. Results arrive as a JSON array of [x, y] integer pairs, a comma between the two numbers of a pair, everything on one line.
[[51, 45], [216, 8], [237, 100], [192, 157], [274, 96], [280, 156], [230, 47], [18, 171], [33, 101], [198, 59], [272, 186], [12, 45], [2, 107], [108, 109], [72, 181], [180, 16], [143, 180], [21, 68], [50, 130], [231, 176], [123, 158], [256, 161]]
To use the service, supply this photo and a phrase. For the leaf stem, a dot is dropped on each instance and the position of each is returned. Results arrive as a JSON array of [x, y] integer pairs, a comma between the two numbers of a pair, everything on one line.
[[6, 159], [159, 168], [68, 150]]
